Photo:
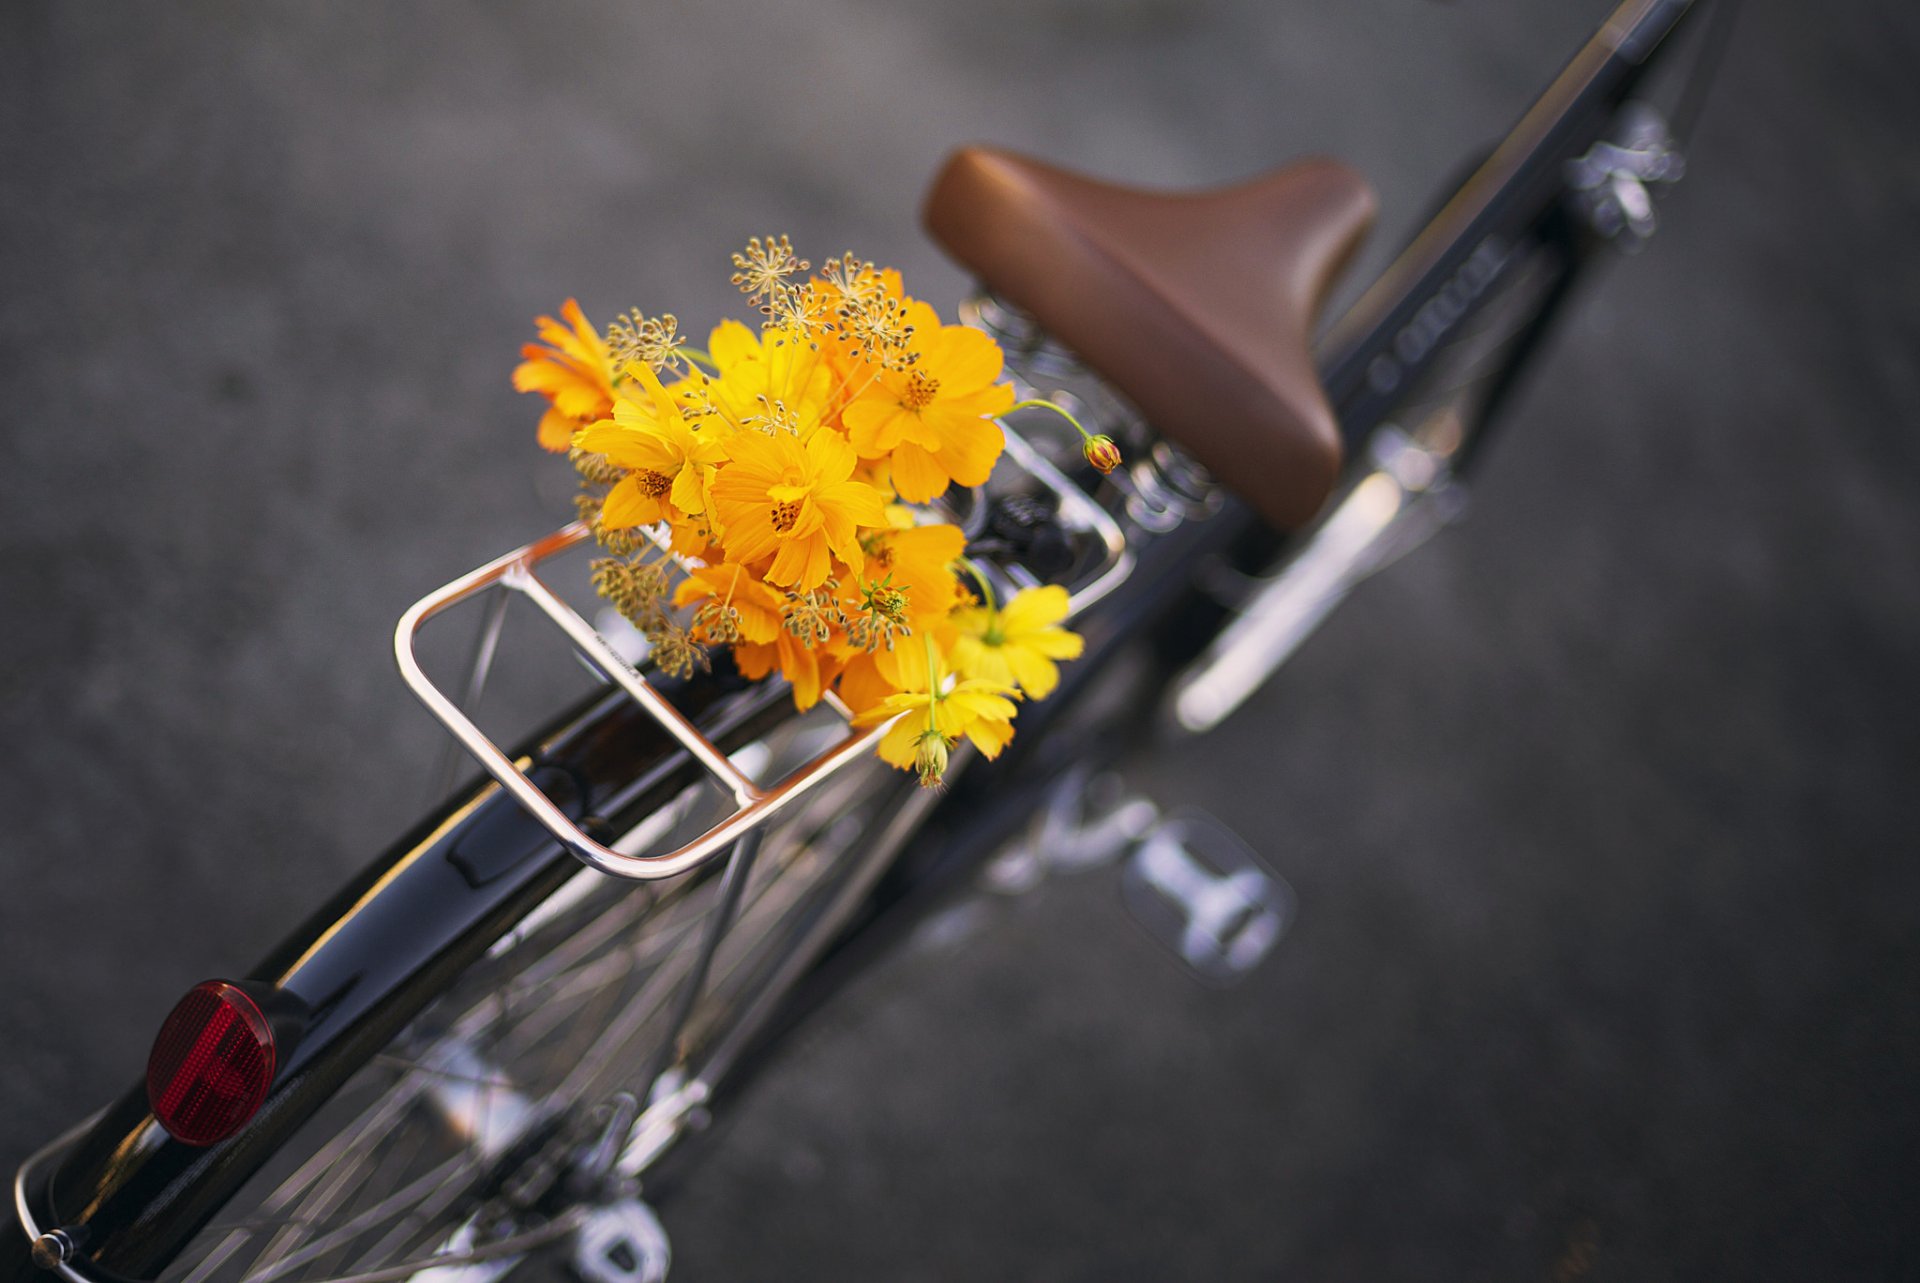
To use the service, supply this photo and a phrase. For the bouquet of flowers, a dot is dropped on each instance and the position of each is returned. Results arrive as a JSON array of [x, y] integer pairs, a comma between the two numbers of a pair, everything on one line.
[[788, 468]]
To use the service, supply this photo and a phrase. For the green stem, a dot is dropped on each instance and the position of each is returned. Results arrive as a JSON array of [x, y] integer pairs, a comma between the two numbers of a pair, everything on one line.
[[699, 355], [986, 589], [933, 681], [1039, 403]]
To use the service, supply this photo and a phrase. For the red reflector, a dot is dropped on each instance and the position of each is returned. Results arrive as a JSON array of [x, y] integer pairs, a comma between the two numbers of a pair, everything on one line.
[[211, 1064]]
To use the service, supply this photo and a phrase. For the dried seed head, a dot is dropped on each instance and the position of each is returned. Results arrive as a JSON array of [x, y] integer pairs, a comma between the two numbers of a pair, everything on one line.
[[774, 418], [654, 341], [717, 622], [810, 617], [593, 468], [762, 269], [674, 652], [876, 324], [636, 589]]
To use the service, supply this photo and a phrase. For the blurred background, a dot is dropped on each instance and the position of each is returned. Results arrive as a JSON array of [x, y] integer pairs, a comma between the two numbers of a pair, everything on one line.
[[1601, 809]]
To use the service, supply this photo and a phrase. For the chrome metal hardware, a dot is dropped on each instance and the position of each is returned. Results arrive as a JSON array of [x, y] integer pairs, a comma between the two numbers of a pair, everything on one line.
[[475, 1100], [53, 1249], [755, 804], [1162, 486], [1186, 877], [1087, 821], [1611, 182], [677, 1104], [1203, 893], [622, 1242], [1167, 488], [1403, 500]]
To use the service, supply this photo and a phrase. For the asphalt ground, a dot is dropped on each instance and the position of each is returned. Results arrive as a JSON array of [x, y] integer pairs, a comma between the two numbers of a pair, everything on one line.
[[1601, 809]]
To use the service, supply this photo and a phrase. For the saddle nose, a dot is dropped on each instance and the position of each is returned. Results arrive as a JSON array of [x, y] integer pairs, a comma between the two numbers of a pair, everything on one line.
[[1198, 306]]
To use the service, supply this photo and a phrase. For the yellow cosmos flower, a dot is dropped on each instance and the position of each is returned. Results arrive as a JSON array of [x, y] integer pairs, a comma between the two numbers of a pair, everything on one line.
[[755, 607], [935, 418], [808, 669], [574, 373], [670, 466], [793, 500], [871, 676], [934, 716], [1017, 644], [917, 561], [758, 377]]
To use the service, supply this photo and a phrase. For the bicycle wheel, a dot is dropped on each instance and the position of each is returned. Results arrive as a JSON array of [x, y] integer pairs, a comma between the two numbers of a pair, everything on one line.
[[556, 1067]]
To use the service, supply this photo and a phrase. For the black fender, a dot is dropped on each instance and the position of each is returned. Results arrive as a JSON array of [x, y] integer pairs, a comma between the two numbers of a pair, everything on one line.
[[131, 1196]]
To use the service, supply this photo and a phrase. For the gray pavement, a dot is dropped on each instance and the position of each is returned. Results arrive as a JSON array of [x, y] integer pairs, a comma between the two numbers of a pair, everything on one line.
[[1601, 810]]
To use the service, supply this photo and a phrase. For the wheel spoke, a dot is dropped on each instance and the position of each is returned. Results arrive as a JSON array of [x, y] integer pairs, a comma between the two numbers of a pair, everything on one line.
[[582, 999], [445, 1174]]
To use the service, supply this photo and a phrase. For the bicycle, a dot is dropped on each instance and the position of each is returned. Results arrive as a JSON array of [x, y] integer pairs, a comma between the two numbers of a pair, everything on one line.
[[1361, 386]]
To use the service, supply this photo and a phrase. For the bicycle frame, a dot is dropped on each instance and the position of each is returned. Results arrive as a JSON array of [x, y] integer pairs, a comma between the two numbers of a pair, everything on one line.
[[374, 955]]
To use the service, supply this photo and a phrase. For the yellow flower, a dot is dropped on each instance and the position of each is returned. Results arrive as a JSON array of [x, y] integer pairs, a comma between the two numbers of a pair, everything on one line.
[[808, 669], [1017, 644], [935, 713], [790, 499], [934, 418], [670, 466], [756, 607], [759, 379], [574, 374], [919, 562]]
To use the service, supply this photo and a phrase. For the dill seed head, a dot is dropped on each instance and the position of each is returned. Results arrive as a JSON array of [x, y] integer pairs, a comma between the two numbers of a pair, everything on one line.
[[654, 341], [764, 266], [593, 468], [636, 589], [717, 622], [810, 617], [674, 651]]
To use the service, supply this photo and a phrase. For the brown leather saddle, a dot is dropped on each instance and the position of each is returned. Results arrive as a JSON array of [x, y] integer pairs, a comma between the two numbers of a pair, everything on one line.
[[1199, 306]]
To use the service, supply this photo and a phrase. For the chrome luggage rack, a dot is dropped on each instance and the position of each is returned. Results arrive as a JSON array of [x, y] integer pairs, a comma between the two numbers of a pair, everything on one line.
[[754, 804]]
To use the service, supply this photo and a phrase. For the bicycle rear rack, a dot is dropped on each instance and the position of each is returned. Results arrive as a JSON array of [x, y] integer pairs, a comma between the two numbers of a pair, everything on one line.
[[754, 804]]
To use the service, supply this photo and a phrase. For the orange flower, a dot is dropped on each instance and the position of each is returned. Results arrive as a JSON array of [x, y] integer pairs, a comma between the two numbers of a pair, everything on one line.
[[809, 670], [919, 562], [934, 418], [755, 607], [670, 466], [792, 500], [777, 376], [574, 373]]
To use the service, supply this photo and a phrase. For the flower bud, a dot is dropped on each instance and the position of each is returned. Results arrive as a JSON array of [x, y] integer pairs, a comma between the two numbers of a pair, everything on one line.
[[931, 759], [1102, 453]]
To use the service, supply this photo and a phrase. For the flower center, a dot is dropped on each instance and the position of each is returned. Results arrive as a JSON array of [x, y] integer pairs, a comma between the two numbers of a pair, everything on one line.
[[654, 484], [921, 389], [883, 557], [784, 515]]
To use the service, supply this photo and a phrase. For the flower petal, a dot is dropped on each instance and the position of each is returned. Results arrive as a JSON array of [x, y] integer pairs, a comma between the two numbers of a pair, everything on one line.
[[917, 475], [688, 494], [1035, 608], [963, 359], [627, 505], [969, 448]]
